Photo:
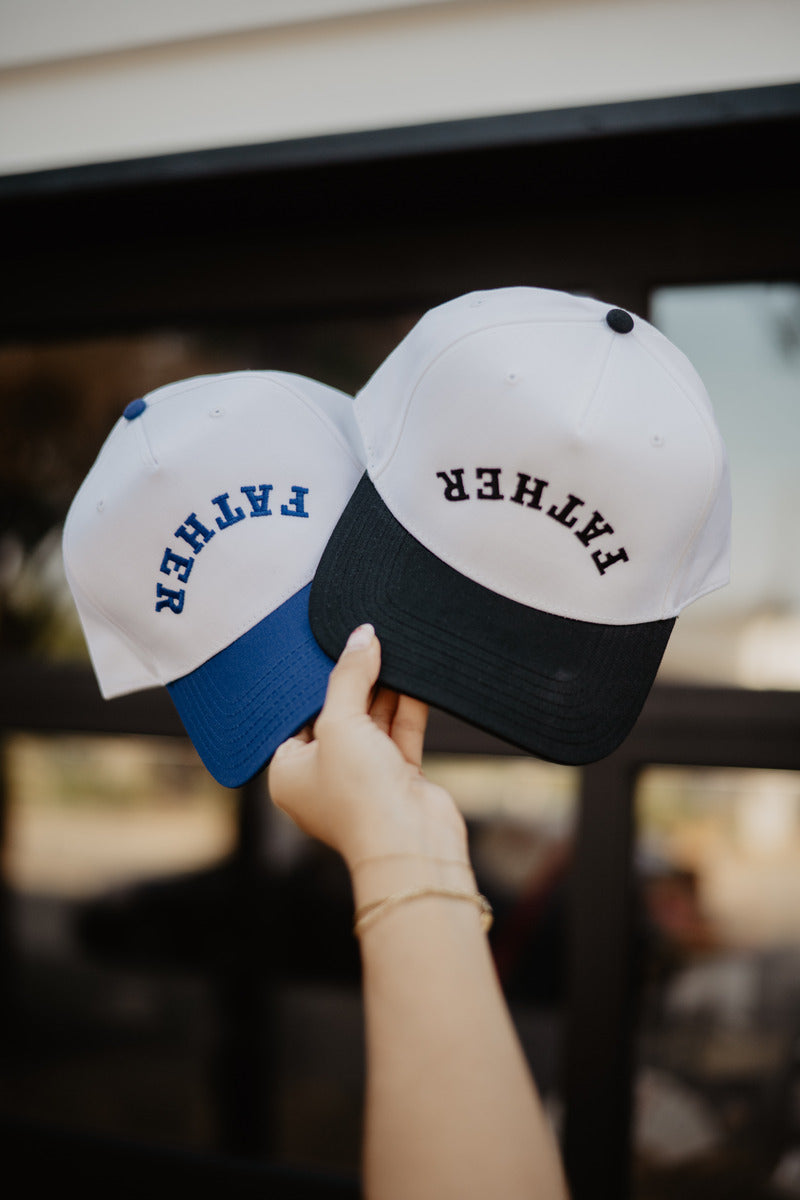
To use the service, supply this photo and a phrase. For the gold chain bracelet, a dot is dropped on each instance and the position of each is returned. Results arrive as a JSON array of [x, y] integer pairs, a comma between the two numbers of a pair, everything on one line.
[[445, 862], [369, 913]]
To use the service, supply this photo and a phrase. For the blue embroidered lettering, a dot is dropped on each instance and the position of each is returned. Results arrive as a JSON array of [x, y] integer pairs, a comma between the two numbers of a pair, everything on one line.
[[259, 503], [295, 506], [185, 564], [228, 517], [195, 533], [171, 600]]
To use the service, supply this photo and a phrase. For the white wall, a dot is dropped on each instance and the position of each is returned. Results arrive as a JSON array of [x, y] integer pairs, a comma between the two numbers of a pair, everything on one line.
[[96, 80]]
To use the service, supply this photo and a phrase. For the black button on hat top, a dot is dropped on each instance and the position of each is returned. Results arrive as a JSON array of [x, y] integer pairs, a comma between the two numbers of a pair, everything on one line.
[[619, 320]]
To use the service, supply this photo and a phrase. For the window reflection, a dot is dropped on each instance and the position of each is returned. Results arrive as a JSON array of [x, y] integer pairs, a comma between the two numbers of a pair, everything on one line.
[[86, 814], [141, 952], [744, 340], [719, 1059], [108, 1035]]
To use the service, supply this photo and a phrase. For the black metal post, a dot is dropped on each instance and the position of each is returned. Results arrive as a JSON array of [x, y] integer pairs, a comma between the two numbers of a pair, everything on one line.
[[244, 1067], [600, 1007]]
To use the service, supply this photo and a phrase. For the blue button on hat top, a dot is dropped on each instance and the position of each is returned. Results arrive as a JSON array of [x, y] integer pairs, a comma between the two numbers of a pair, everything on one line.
[[134, 409]]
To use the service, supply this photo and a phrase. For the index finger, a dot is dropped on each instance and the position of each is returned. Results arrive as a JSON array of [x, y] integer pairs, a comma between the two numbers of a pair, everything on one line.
[[408, 728], [353, 678]]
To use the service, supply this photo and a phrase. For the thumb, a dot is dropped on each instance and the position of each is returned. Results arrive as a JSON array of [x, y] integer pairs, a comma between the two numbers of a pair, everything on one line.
[[353, 678]]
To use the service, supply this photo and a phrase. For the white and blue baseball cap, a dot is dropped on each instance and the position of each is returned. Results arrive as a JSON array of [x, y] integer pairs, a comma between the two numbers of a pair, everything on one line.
[[191, 546]]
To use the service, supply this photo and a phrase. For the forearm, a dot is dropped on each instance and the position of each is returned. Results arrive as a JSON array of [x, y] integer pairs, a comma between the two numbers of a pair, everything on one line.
[[452, 1112]]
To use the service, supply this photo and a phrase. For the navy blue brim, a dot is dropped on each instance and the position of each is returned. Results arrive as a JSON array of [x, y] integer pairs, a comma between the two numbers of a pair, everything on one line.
[[241, 704]]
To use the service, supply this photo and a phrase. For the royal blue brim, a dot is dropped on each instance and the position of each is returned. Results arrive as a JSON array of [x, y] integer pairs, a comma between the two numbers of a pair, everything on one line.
[[241, 704]]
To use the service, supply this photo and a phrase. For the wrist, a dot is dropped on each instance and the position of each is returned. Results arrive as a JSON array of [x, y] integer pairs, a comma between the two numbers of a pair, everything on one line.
[[370, 913], [421, 822], [379, 876]]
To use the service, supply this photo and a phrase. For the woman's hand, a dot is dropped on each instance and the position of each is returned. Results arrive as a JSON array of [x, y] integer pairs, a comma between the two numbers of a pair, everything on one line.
[[356, 782]]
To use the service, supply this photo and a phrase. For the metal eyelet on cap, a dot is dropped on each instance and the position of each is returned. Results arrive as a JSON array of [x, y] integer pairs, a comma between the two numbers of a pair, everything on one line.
[[619, 320], [134, 409]]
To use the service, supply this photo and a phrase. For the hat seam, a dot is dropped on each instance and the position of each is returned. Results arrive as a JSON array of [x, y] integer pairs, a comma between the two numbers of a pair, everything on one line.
[[717, 456], [145, 659], [440, 354], [88, 598], [147, 454], [182, 386], [589, 405], [321, 416], [279, 379]]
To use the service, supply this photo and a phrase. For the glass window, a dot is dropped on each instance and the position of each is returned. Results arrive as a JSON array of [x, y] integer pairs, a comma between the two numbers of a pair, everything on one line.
[[157, 991], [111, 1010], [744, 340], [85, 814], [718, 1082]]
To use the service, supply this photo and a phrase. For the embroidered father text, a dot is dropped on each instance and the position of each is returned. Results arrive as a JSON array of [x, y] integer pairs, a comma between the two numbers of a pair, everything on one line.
[[529, 492], [195, 534]]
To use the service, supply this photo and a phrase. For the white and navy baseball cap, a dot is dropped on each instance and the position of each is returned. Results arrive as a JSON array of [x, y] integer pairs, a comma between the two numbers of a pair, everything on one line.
[[190, 549], [546, 489]]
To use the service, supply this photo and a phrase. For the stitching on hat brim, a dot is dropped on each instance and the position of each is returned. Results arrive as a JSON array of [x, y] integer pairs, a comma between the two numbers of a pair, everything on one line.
[[374, 570]]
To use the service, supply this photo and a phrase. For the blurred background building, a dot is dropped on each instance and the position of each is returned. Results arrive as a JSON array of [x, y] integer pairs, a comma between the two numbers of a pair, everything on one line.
[[201, 186]]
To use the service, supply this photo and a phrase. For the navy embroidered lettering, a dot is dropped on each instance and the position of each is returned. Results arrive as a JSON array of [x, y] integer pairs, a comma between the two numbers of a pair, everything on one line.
[[185, 564], [170, 600], [228, 517], [596, 527], [604, 561], [295, 506], [563, 517], [492, 491], [195, 533], [529, 494], [453, 487], [259, 503], [523, 490]]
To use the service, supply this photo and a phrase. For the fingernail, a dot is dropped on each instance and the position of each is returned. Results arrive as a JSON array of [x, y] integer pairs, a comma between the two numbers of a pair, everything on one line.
[[361, 637]]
